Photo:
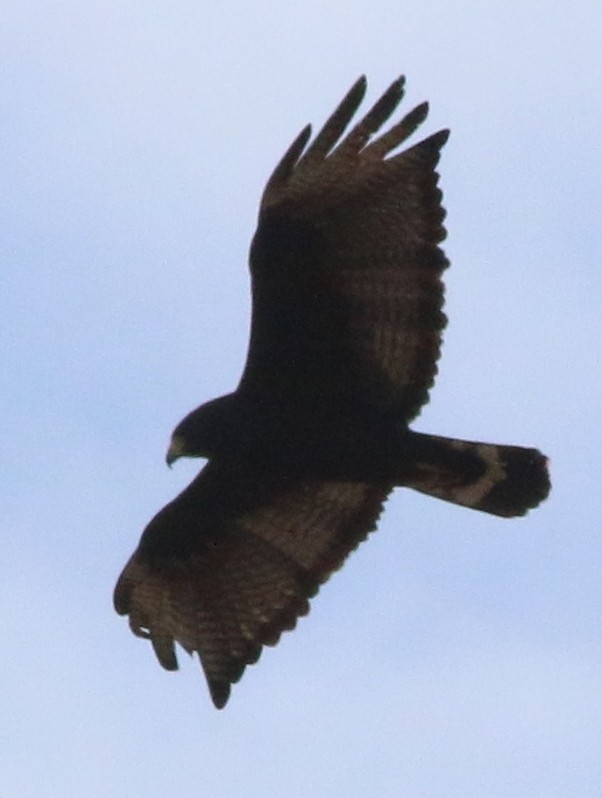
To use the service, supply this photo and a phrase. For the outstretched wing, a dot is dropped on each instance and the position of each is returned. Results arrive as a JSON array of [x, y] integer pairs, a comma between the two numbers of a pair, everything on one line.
[[230, 564], [346, 268]]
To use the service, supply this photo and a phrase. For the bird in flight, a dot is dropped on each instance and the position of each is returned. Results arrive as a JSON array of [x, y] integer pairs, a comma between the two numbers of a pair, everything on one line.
[[347, 297]]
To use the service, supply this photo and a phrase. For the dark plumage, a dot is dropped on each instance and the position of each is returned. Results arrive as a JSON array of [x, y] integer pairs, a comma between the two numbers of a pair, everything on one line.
[[346, 329]]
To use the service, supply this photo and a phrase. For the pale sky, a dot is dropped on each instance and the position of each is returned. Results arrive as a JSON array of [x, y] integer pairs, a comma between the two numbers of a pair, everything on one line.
[[455, 654]]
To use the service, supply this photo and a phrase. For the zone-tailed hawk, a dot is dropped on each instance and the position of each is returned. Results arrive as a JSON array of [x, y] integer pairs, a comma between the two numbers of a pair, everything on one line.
[[346, 330]]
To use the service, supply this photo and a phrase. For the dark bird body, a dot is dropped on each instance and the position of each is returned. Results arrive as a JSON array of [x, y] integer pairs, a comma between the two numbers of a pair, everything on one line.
[[346, 330]]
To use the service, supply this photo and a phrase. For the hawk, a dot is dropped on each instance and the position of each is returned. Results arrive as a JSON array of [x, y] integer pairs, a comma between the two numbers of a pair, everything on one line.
[[347, 320]]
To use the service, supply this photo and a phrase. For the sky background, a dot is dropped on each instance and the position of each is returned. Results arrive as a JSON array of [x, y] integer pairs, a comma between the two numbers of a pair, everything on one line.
[[455, 654]]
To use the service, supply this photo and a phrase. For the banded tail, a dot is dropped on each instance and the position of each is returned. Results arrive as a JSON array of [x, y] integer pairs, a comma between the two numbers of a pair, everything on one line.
[[501, 480]]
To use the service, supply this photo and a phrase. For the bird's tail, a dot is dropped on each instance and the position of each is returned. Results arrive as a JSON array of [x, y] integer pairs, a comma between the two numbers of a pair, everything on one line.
[[502, 480]]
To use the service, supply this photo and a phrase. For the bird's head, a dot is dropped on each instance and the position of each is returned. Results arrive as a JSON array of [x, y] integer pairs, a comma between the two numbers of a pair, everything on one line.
[[203, 432], [177, 448]]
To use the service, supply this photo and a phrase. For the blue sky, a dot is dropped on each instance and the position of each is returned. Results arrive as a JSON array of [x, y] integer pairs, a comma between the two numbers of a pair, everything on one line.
[[455, 654]]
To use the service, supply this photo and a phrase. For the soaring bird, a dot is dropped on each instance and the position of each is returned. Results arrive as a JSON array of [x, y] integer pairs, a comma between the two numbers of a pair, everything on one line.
[[347, 297]]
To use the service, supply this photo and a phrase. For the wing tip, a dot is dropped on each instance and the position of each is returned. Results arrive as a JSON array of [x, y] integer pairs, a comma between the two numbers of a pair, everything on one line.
[[220, 692], [442, 136], [436, 141], [164, 649], [361, 84], [398, 85]]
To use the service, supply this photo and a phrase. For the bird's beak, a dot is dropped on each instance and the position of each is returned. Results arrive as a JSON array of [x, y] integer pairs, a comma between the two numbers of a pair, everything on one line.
[[176, 450]]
